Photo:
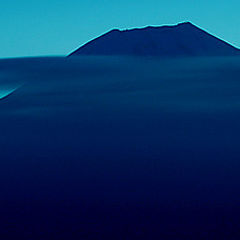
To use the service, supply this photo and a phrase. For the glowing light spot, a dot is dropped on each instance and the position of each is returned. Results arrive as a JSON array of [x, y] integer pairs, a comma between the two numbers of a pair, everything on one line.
[[6, 92]]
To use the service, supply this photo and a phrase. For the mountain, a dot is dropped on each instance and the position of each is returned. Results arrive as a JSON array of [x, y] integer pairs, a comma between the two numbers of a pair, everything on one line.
[[184, 39]]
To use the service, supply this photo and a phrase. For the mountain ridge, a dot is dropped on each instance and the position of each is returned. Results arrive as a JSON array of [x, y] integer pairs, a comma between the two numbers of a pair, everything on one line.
[[183, 39]]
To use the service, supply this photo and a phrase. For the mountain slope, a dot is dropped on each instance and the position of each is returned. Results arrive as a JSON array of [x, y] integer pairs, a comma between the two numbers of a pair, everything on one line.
[[184, 39]]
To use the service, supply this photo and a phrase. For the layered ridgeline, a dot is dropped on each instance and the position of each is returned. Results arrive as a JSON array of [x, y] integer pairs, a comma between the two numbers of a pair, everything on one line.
[[184, 39]]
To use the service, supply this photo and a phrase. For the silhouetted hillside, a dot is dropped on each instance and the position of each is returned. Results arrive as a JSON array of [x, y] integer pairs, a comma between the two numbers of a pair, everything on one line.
[[184, 39]]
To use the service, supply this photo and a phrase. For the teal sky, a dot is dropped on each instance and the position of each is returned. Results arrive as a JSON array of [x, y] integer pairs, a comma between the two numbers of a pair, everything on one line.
[[56, 27]]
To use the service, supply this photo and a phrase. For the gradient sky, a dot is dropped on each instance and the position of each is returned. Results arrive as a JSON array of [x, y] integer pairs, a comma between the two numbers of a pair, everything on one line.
[[56, 27]]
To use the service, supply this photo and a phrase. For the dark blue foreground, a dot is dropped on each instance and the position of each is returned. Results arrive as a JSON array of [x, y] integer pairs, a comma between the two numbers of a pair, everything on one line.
[[108, 148]]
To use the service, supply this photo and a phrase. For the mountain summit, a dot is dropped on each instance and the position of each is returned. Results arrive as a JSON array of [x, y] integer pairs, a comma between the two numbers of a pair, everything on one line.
[[184, 39]]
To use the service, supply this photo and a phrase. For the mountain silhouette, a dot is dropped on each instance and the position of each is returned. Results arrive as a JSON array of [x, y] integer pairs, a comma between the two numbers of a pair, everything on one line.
[[184, 39]]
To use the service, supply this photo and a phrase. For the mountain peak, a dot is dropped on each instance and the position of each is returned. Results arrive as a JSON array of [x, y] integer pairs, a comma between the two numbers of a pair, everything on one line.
[[182, 39], [183, 24]]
